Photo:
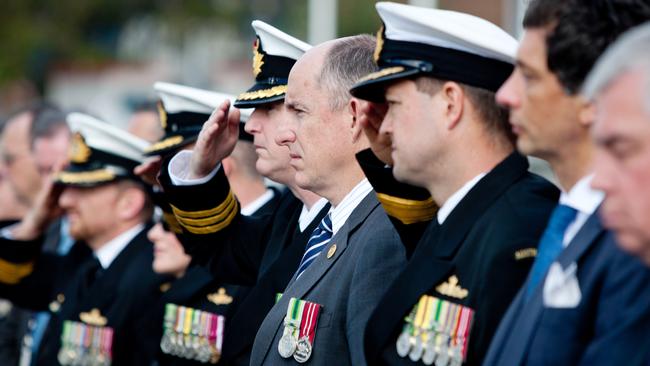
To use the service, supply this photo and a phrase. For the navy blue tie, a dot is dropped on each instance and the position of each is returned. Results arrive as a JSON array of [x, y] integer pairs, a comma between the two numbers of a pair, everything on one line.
[[550, 245], [319, 238]]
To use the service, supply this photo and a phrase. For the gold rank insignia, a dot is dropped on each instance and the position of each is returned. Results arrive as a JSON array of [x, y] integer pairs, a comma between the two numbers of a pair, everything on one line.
[[258, 58], [380, 44], [162, 114], [525, 253], [451, 288], [220, 297], [79, 151], [93, 317]]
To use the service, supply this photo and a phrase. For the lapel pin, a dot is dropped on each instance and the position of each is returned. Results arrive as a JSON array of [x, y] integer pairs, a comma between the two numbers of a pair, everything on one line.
[[331, 251]]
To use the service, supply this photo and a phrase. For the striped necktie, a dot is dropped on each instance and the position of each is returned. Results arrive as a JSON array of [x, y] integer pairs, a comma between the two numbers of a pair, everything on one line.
[[319, 238]]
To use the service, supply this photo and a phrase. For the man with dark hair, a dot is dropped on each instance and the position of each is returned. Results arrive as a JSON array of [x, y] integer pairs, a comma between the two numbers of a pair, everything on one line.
[[104, 284], [446, 134], [573, 300]]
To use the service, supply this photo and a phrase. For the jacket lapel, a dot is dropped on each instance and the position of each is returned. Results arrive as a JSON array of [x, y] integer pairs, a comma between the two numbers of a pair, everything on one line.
[[526, 314], [317, 270]]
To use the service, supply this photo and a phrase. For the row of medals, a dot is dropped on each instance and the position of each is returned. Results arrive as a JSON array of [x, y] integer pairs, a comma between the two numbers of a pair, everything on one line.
[[85, 345], [191, 334], [290, 345], [431, 343]]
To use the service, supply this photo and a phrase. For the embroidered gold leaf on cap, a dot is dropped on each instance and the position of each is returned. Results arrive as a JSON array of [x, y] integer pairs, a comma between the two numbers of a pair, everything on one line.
[[93, 317], [162, 114], [220, 297], [380, 44], [79, 151], [381, 73], [263, 93], [258, 58], [452, 289]]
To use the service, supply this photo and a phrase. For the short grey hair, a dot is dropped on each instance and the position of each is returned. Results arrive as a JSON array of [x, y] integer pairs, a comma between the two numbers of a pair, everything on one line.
[[630, 53], [347, 61]]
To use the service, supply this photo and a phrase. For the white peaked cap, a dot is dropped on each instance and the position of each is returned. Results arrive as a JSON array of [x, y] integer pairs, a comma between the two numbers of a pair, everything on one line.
[[180, 98], [276, 42], [103, 136], [448, 29]]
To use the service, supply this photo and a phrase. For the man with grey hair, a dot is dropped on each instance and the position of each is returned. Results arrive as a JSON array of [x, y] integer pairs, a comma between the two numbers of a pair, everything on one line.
[[348, 265], [620, 87]]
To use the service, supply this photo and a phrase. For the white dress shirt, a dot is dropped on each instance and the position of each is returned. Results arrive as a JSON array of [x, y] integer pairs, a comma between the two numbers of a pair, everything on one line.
[[308, 215], [343, 210], [453, 200], [257, 203], [585, 200], [109, 251]]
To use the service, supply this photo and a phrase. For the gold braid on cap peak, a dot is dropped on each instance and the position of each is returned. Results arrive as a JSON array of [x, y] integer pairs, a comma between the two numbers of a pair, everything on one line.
[[95, 176], [380, 44], [263, 93], [79, 151], [382, 73], [163, 144]]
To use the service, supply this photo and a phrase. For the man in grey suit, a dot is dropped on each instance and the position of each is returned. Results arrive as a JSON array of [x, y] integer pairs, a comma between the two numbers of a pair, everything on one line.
[[364, 254]]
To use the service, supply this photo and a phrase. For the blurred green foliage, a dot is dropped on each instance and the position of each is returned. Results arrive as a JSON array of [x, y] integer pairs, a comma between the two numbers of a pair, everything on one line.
[[36, 34]]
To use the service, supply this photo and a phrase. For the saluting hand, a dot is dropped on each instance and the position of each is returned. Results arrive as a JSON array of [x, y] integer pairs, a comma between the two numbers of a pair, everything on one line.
[[216, 140], [371, 116], [44, 211], [149, 170]]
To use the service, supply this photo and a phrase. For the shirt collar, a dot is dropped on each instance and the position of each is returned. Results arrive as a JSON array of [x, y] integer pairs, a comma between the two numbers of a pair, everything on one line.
[[308, 215], [582, 197], [343, 210], [258, 203], [453, 200], [109, 251]]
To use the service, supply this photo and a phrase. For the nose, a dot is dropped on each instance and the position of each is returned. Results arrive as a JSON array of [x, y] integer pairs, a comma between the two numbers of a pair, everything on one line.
[[507, 95], [285, 137], [253, 124], [67, 198], [155, 232]]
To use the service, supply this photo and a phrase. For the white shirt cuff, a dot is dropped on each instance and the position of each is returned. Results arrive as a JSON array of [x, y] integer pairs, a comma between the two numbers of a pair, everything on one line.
[[179, 170]]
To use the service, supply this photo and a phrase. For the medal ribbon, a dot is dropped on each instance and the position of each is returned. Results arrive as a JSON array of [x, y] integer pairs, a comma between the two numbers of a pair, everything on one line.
[[294, 316], [309, 320], [220, 320], [467, 318]]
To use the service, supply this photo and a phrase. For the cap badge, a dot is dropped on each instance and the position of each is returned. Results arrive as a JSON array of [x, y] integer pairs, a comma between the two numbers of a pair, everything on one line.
[[93, 317], [451, 288], [258, 58], [380, 43], [162, 114], [79, 151], [220, 297]]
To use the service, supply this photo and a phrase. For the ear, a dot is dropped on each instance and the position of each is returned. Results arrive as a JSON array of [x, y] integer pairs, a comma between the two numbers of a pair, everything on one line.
[[586, 111], [453, 97], [354, 108], [131, 203], [227, 166]]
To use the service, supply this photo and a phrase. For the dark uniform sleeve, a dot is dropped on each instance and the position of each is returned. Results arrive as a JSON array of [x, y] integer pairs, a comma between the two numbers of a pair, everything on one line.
[[409, 208], [214, 232]]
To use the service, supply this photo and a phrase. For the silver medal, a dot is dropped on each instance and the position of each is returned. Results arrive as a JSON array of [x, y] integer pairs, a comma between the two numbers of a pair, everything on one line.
[[416, 351], [303, 350], [287, 345], [429, 355], [443, 357], [403, 344]]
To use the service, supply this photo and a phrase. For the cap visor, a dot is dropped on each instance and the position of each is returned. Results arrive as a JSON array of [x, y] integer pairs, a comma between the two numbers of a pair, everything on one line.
[[371, 87]]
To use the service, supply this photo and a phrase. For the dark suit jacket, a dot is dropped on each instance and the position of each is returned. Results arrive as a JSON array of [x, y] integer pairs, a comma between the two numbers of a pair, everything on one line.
[[486, 243], [347, 284], [608, 326], [122, 293], [262, 251]]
